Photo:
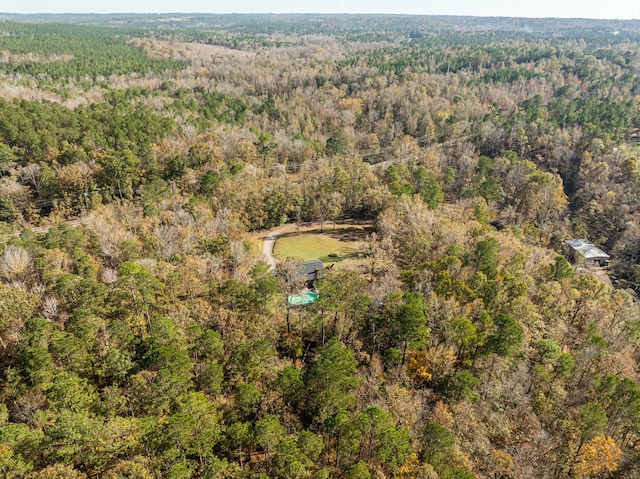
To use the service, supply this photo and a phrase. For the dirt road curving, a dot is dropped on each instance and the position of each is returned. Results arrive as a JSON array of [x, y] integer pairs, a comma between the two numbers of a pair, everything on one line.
[[268, 242]]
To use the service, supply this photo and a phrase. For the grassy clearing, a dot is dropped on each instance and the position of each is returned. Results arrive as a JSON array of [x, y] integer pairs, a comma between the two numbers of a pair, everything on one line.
[[330, 246], [255, 245]]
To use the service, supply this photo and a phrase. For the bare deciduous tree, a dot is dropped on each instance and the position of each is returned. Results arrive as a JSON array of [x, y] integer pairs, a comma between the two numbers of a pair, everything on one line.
[[15, 263]]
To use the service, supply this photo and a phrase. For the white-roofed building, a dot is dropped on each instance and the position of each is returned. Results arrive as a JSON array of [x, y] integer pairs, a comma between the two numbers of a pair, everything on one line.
[[587, 253]]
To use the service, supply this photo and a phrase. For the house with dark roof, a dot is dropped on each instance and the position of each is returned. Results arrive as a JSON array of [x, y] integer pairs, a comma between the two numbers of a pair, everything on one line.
[[309, 272], [313, 269]]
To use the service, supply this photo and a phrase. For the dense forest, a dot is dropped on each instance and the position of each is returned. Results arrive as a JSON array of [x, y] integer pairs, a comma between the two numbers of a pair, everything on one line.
[[143, 334]]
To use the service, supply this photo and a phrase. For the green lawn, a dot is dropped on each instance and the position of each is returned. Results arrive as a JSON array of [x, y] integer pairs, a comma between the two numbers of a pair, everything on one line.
[[330, 247]]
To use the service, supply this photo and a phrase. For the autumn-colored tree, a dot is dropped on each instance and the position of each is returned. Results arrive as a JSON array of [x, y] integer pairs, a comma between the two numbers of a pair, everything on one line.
[[598, 456], [431, 365]]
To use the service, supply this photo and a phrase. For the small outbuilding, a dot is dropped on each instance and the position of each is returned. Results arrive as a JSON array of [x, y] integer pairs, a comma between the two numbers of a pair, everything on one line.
[[587, 253], [313, 269]]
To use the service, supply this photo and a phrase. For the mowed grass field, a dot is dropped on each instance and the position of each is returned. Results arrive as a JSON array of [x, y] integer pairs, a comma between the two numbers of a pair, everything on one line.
[[330, 246]]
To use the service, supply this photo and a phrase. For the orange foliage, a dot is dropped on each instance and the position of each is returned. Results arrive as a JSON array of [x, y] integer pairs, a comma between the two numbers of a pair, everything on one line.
[[597, 456], [442, 415], [408, 469], [431, 365]]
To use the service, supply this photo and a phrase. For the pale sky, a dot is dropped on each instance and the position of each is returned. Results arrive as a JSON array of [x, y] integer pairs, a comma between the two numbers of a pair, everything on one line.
[[627, 9]]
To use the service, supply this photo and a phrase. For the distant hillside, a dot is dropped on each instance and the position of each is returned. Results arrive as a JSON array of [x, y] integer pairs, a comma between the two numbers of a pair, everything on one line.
[[333, 23]]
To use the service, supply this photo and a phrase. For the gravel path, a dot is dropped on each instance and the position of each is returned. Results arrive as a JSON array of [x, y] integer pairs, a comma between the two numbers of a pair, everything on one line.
[[268, 242]]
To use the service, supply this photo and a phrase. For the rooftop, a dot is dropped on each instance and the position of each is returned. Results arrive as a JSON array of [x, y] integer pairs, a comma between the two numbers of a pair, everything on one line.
[[313, 269], [587, 250]]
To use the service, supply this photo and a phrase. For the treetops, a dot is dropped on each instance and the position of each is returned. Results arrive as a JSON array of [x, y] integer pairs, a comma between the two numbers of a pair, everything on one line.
[[152, 341]]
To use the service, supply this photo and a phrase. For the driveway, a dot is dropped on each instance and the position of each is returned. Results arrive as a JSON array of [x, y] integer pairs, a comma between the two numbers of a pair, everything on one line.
[[268, 242]]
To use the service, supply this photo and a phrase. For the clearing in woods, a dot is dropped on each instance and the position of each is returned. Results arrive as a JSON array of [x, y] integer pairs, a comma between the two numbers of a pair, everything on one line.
[[330, 246]]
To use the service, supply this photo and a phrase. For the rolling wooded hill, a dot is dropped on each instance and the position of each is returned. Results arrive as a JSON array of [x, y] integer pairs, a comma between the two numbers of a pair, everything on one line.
[[152, 340]]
